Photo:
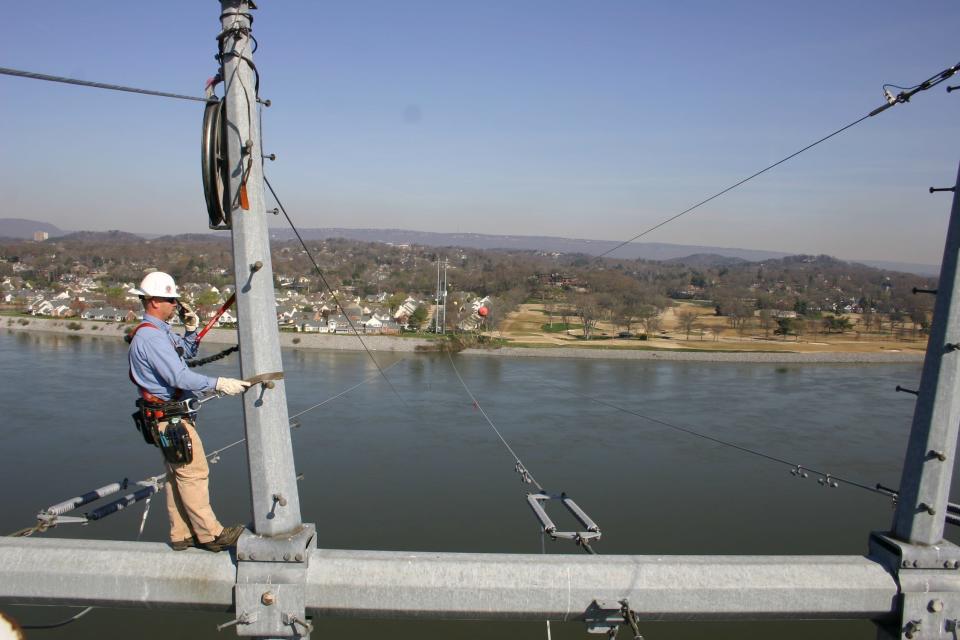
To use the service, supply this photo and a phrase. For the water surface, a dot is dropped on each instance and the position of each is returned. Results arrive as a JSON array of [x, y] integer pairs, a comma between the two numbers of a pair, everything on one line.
[[423, 471]]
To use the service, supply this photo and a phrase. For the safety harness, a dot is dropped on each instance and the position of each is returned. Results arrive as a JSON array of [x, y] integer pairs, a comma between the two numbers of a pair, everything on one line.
[[173, 439]]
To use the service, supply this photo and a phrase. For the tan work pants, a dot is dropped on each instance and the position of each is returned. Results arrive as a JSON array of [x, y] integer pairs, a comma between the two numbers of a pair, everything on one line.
[[188, 495]]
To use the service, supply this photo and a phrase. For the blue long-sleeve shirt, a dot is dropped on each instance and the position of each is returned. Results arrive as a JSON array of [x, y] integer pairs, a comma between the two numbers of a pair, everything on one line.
[[156, 366]]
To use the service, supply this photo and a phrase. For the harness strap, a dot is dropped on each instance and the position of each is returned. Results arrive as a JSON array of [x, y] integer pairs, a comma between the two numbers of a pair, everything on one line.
[[146, 395]]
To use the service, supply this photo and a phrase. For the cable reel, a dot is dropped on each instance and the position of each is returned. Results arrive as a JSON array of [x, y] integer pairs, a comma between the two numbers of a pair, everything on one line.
[[213, 162]]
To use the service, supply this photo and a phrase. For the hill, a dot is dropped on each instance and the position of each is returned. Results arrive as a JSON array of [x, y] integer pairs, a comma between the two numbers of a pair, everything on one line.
[[24, 229]]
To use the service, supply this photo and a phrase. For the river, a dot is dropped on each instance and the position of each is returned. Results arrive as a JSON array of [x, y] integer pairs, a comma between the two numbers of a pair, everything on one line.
[[424, 471]]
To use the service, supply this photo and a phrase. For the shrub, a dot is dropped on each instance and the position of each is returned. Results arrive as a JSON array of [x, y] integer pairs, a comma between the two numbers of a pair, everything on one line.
[[296, 341], [23, 321], [74, 326]]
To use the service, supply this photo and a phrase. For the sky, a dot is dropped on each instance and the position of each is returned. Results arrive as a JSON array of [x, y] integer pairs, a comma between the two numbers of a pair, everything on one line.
[[540, 117]]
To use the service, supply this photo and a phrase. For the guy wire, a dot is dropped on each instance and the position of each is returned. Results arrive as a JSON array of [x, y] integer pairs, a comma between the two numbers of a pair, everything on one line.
[[901, 98], [725, 443], [330, 289], [493, 426], [98, 85]]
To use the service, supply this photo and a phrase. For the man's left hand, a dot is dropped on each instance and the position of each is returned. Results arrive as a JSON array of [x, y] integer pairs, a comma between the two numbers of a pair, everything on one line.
[[189, 317]]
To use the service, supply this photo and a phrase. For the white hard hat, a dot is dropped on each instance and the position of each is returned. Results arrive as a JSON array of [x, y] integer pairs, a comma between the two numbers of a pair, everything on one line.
[[157, 285]]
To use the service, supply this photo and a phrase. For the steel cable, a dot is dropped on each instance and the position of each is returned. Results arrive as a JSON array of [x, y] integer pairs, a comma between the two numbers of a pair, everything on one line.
[[520, 464], [796, 466], [98, 85], [326, 284], [902, 98]]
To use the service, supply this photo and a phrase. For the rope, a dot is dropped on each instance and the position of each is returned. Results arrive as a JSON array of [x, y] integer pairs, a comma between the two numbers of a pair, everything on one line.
[[521, 468], [26, 532], [98, 85], [797, 469], [330, 289], [891, 101], [199, 362]]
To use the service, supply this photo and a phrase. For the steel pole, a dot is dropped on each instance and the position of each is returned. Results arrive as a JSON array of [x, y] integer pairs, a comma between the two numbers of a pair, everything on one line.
[[269, 449], [928, 465]]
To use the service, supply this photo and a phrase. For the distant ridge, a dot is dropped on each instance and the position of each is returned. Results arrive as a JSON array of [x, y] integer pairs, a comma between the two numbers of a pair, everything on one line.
[[644, 250], [24, 228], [20, 228], [99, 236]]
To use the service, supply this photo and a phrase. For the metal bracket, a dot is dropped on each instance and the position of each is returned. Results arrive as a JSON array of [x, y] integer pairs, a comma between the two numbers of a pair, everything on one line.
[[271, 583], [592, 530], [929, 585], [603, 617], [292, 548], [897, 555]]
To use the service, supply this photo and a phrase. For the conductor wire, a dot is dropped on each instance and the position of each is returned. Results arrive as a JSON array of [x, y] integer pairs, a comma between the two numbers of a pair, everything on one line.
[[520, 464], [799, 467]]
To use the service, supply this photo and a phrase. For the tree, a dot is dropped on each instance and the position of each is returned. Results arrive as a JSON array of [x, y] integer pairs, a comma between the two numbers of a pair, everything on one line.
[[788, 326], [686, 320], [717, 331], [418, 317], [588, 310]]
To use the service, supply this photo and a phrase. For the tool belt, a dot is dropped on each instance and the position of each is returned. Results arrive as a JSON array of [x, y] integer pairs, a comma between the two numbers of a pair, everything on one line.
[[174, 441]]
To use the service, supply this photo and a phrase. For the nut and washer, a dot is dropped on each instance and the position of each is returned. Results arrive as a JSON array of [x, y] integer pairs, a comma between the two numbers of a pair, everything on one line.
[[268, 598]]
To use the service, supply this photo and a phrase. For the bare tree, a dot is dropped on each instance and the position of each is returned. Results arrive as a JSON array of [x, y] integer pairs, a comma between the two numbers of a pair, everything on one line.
[[717, 331], [687, 319], [588, 310]]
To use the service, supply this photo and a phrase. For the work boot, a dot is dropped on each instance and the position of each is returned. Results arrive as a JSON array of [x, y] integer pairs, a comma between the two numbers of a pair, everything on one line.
[[227, 538], [183, 545]]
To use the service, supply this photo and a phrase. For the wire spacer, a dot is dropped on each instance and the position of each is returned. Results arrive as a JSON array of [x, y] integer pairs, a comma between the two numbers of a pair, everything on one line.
[[910, 391], [828, 481], [799, 472], [932, 292], [935, 189]]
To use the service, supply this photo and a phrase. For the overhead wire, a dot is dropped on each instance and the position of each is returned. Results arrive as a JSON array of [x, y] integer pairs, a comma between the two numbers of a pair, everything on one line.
[[33, 75], [326, 284], [796, 467], [476, 404], [891, 101]]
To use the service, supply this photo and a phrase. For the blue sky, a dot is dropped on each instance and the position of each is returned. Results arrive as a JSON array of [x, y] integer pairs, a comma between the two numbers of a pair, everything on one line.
[[579, 119]]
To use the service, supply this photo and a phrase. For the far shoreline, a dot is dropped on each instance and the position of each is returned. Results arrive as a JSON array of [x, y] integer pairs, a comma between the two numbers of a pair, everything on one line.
[[395, 344]]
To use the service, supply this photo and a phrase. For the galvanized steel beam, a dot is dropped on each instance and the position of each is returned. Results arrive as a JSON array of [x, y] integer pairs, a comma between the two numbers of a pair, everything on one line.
[[928, 464], [273, 485], [460, 586]]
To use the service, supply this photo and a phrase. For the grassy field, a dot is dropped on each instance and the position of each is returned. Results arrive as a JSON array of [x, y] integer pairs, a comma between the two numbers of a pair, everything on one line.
[[525, 327]]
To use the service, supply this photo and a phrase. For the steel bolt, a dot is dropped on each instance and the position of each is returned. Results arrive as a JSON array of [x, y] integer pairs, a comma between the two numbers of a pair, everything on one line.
[[241, 556], [299, 557], [286, 557], [905, 563], [956, 564], [911, 628], [916, 563], [936, 606], [268, 598], [948, 564], [253, 557]]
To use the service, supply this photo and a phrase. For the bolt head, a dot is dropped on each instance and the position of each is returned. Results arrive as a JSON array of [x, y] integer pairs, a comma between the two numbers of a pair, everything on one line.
[[286, 556], [253, 557], [268, 598], [241, 556], [935, 605], [299, 557], [905, 563]]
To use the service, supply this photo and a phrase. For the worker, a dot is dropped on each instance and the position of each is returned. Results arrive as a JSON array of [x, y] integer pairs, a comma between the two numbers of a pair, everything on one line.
[[166, 416]]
